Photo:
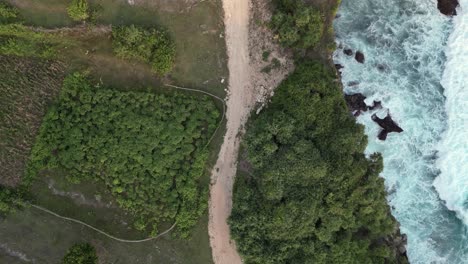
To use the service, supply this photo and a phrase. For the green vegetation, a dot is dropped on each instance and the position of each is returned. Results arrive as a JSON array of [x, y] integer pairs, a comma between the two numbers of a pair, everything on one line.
[[148, 149], [266, 55], [27, 95], [11, 199], [296, 24], [312, 196], [83, 253], [148, 45], [79, 10], [19, 40], [27, 86], [7, 14]]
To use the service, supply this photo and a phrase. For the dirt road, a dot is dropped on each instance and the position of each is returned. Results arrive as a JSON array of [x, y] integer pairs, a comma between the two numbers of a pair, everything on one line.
[[240, 101]]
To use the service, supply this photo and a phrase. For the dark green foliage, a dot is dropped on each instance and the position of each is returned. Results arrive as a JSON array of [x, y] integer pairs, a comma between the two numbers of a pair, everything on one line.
[[297, 25], [79, 10], [81, 254], [7, 14], [148, 45], [266, 55], [11, 199], [148, 149], [313, 196]]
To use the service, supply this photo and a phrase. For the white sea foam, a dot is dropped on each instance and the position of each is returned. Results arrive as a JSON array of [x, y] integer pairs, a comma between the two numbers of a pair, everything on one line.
[[403, 42], [452, 183]]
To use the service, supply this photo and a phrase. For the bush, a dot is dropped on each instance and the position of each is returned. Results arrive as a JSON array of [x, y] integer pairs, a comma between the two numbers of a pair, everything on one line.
[[7, 14], [11, 199], [148, 45], [313, 197], [297, 25], [81, 254], [149, 150], [78, 10]]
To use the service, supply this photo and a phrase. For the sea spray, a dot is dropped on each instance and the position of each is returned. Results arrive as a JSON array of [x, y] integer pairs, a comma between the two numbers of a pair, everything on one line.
[[452, 183], [403, 42]]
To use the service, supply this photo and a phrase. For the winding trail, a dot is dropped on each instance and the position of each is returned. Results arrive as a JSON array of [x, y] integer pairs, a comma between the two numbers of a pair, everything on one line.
[[240, 102], [99, 230]]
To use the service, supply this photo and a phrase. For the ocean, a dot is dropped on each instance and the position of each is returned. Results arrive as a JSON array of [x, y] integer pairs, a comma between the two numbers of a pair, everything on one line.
[[416, 65]]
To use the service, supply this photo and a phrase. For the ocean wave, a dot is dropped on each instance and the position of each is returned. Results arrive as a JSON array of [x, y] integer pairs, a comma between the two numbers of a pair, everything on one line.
[[403, 42], [452, 183]]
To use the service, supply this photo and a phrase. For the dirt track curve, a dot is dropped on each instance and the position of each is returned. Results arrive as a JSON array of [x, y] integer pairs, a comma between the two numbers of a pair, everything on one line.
[[239, 103]]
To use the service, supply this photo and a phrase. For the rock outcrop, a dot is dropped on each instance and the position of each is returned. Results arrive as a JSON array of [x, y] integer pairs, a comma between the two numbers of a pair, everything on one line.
[[348, 52], [356, 102], [387, 124], [448, 7], [360, 57]]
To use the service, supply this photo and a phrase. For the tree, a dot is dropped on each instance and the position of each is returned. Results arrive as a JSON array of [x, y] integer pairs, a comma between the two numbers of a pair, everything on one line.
[[313, 196], [148, 149], [78, 10], [83, 253], [148, 45], [297, 25]]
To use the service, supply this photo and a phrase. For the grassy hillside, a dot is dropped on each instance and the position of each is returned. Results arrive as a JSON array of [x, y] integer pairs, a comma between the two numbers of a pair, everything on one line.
[[199, 63]]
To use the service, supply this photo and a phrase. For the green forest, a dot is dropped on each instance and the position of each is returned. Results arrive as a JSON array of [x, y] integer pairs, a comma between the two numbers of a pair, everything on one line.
[[149, 150], [312, 195]]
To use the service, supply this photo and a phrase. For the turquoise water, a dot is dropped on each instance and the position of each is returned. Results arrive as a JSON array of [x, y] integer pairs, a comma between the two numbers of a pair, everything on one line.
[[407, 46]]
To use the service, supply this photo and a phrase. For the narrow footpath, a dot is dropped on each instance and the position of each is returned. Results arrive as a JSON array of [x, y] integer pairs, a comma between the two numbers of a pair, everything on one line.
[[239, 103]]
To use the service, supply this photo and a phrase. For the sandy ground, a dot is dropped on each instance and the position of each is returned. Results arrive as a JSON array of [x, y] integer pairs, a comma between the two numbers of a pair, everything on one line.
[[249, 86], [240, 101]]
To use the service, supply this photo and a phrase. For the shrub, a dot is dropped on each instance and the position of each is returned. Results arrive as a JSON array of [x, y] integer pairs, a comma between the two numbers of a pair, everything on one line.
[[11, 199], [297, 25], [78, 10], [7, 13], [148, 45], [83, 253]]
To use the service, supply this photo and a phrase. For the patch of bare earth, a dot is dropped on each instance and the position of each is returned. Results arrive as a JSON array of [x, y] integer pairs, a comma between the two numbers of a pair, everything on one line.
[[239, 103], [249, 84], [270, 63]]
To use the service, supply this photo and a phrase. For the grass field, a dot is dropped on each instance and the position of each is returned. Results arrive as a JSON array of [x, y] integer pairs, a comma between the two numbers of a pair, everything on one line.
[[197, 30]]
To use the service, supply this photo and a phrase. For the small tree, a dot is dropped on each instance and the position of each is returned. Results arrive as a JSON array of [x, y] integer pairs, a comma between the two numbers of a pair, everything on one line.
[[83, 253], [78, 10]]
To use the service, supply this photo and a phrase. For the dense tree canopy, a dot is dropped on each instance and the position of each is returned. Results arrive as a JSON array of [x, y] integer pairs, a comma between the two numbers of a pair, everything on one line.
[[83, 253], [148, 149], [148, 45], [312, 195], [297, 25]]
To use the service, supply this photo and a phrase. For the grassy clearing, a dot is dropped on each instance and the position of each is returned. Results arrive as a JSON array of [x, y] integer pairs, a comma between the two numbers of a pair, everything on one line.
[[197, 32], [45, 239]]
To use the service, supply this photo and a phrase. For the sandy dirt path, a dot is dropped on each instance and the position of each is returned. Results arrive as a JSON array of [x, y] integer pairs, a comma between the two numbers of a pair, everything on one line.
[[240, 101]]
